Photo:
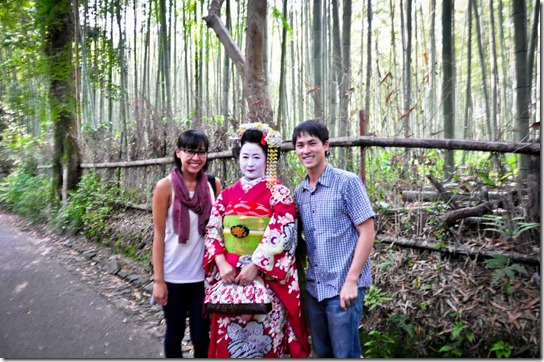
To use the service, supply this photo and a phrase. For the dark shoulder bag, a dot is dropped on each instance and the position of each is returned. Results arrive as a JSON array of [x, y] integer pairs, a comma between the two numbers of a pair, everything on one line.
[[211, 180]]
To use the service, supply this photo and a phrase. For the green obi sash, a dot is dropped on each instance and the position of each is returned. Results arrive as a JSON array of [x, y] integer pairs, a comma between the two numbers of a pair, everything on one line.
[[242, 234]]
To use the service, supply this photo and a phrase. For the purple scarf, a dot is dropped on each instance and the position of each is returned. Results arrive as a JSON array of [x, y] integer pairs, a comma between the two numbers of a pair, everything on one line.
[[201, 204]]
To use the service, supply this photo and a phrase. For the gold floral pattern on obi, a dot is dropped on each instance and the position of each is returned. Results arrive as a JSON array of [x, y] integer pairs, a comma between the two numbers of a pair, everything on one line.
[[240, 231]]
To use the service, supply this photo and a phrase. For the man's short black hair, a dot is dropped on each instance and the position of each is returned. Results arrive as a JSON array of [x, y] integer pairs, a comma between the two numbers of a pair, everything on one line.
[[313, 128]]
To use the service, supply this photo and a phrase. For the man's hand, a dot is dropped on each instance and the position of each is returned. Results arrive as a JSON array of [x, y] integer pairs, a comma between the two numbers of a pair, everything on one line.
[[348, 294]]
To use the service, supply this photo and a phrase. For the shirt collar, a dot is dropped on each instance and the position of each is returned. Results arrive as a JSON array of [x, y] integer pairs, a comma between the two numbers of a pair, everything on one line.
[[325, 179]]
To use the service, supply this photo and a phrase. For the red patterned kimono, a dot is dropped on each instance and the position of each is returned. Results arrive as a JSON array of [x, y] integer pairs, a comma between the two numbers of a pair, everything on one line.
[[282, 331]]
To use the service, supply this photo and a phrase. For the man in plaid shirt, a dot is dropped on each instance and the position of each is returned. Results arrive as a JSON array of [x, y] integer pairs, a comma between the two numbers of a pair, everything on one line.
[[338, 224]]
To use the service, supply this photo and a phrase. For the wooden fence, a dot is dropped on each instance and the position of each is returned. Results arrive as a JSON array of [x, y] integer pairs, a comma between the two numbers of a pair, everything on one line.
[[363, 141], [532, 149]]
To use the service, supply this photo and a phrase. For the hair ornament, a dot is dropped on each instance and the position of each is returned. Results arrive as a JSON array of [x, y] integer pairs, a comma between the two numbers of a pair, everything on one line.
[[272, 137]]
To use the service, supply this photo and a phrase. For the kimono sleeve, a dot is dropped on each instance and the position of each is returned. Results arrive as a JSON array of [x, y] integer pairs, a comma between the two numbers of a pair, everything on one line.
[[213, 239], [275, 254]]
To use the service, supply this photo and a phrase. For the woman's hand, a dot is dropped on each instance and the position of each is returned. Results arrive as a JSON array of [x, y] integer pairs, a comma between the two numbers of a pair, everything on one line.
[[160, 293], [247, 274], [227, 271]]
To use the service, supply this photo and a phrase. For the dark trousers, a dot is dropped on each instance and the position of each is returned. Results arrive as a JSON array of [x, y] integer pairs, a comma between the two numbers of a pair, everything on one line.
[[186, 300]]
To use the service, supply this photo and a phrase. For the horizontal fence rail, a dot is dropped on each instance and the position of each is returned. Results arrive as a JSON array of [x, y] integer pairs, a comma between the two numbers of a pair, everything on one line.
[[363, 141]]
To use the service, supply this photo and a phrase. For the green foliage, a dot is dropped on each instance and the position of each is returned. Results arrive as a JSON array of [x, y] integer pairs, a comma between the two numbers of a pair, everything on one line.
[[89, 207], [378, 345], [502, 349], [24, 192], [508, 227], [401, 322], [387, 164], [486, 179], [15, 137], [375, 297], [397, 341], [278, 17], [512, 162], [458, 338], [130, 250], [292, 166], [146, 258], [402, 331], [504, 270], [388, 263]]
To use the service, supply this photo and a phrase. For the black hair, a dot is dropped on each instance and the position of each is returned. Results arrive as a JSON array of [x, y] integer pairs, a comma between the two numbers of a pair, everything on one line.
[[192, 140], [250, 136], [313, 128]]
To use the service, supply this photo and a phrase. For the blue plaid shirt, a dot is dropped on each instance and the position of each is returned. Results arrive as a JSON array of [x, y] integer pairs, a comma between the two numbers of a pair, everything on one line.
[[330, 213]]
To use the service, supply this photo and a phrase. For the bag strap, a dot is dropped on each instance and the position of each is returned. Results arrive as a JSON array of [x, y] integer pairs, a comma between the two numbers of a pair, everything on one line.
[[211, 180]]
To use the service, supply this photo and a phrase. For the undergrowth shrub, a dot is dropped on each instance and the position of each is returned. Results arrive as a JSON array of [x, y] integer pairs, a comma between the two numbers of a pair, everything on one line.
[[89, 207], [24, 192]]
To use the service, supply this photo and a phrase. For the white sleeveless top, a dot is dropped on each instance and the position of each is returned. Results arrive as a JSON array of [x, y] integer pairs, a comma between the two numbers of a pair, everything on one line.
[[183, 263]]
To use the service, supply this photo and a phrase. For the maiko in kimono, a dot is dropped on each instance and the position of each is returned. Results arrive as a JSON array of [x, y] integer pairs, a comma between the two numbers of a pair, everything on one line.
[[250, 258]]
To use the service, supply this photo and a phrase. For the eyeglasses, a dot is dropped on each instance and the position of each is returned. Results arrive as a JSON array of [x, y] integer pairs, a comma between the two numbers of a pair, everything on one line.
[[191, 153]]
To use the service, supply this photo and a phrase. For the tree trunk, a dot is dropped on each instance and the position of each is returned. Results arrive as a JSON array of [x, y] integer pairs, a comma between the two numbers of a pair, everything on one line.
[[226, 78], [255, 91], [146, 62], [532, 47], [506, 100], [124, 88], [468, 101], [345, 81], [408, 70], [495, 105], [431, 98], [282, 99], [336, 67], [533, 199], [109, 50], [186, 52], [483, 62], [368, 70], [199, 63], [522, 79], [448, 82], [213, 21], [58, 50], [317, 59]]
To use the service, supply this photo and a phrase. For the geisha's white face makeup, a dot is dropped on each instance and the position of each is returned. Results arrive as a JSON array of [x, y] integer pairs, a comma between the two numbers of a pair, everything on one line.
[[252, 161]]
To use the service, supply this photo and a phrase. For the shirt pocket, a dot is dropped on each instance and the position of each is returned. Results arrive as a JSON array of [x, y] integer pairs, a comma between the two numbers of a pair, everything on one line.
[[330, 206], [305, 212], [327, 213]]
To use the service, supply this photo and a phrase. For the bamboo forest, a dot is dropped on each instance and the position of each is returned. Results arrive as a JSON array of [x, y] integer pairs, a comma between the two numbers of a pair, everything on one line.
[[435, 104]]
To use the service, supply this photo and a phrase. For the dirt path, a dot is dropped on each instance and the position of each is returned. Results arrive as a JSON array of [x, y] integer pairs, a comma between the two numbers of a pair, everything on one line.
[[58, 302]]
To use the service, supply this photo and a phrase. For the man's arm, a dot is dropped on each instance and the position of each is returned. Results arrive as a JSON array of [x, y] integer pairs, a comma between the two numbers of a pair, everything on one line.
[[365, 243]]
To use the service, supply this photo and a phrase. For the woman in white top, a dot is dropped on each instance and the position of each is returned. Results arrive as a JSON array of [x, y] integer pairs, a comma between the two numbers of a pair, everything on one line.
[[181, 206]]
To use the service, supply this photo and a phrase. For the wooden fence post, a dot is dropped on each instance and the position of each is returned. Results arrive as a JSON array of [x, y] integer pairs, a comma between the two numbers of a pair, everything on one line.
[[363, 148]]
